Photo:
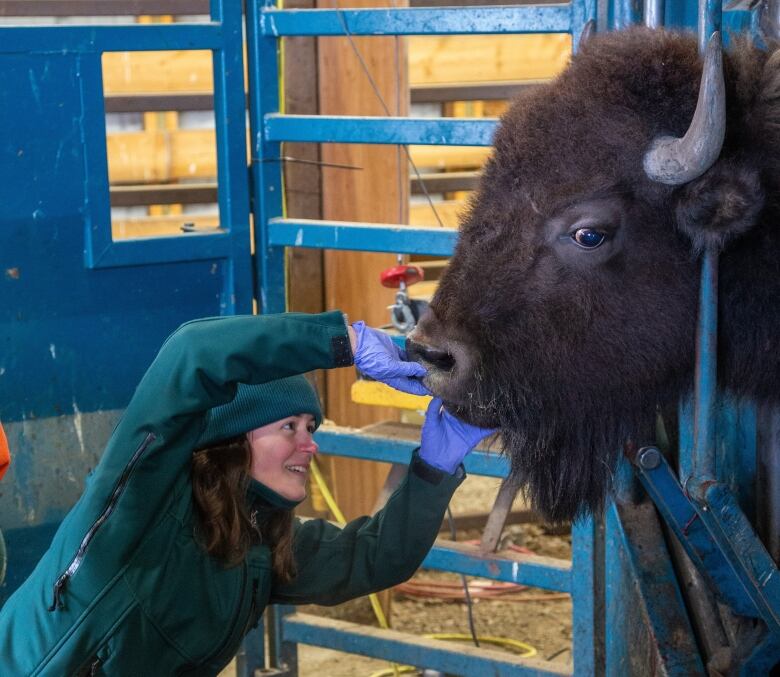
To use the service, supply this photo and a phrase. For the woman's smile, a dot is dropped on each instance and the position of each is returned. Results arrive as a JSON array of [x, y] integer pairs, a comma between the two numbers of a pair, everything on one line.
[[282, 453]]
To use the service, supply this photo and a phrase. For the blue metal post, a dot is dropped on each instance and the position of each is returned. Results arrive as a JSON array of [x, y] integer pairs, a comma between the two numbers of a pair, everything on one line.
[[233, 189], [267, 167], [702, 461], [587, 596]]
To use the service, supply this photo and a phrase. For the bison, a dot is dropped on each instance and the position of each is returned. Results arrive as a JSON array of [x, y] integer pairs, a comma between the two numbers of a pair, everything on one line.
[[567, 315]]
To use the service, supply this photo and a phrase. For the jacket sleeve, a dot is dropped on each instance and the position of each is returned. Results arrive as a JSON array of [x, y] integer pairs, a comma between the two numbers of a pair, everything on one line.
[[199, 367], [370, 553]]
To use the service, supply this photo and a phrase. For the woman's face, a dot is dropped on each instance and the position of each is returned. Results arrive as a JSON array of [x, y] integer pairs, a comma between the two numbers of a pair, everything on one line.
[[281, 454]]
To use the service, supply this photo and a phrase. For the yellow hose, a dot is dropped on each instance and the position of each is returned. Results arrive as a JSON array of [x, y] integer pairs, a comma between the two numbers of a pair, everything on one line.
[[334, 508], [527, 650]]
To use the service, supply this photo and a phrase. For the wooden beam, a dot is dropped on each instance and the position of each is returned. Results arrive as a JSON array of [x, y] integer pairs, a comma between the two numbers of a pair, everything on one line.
[[479, 58], [449, 157], [160, 155], [448, 212], [497, 64], [163, 194], [443, 182], [153, 226], [162, 72]]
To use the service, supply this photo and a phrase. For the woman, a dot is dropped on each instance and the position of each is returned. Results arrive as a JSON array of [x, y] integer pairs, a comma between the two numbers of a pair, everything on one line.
[[170, 556]]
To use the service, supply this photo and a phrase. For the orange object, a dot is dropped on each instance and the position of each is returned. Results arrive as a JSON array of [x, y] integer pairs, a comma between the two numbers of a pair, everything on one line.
[[5, 454], [392, 277]]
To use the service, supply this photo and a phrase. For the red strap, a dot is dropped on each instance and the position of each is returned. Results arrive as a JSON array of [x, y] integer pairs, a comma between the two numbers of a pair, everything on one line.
[[5, 454]]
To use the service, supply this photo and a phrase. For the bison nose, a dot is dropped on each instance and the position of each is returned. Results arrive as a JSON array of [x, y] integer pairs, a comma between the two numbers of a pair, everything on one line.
[[440, 359]]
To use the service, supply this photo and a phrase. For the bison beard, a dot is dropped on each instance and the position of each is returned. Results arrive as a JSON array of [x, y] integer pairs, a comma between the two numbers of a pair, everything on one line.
[[561, 444]]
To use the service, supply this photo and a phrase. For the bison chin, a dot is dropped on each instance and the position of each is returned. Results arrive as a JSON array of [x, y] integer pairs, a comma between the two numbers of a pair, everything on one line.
[[563, 449]]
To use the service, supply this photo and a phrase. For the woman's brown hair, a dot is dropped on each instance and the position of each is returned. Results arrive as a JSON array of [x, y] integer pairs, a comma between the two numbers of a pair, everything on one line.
[[225, 526]]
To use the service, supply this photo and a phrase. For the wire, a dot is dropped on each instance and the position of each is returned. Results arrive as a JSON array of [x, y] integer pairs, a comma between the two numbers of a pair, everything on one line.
[[378, 94], [466, 591]]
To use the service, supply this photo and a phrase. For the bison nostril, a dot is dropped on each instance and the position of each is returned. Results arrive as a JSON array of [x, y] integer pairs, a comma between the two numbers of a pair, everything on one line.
[[440, 359]]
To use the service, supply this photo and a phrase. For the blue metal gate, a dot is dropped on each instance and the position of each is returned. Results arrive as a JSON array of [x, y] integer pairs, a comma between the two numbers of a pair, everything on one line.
[[82, 314]]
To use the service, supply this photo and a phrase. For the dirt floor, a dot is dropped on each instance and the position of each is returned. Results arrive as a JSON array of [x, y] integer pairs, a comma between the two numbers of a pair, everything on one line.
[[545, 625]]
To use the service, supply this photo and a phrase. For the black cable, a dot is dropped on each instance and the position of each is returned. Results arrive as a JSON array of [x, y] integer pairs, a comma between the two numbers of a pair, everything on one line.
[[467, 594]]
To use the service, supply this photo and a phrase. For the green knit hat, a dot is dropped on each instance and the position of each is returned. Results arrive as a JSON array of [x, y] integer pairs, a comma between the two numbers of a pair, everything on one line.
[[257, 405]]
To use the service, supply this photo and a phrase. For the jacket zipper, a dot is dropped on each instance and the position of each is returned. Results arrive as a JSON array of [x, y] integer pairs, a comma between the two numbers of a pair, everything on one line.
[[62, 581], [236, 620]]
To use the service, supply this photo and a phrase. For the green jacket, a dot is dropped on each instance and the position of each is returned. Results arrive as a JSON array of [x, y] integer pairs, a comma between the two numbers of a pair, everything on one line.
[[124, 588]]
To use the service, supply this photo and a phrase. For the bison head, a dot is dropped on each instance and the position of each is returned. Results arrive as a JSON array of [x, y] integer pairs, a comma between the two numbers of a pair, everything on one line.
[[567, 315]]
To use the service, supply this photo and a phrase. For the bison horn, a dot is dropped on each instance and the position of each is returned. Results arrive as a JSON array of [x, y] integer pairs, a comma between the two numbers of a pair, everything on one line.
[[588, 31], [676, 161]]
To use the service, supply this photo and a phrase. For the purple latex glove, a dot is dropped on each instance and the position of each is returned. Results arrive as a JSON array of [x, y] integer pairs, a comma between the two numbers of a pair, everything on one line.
[[446, 439], [378, 357]]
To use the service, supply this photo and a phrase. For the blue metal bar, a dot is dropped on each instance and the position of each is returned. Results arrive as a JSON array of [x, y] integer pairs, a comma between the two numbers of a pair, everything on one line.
[[539, 572], [646, 580], [418, 21], [685, 519], [267, 178], [372, 237], [111, 38], [626, 13], [149, 250], [751, 564], [654, 13], [346, 129], [703, 461], [710, 18], [232, 186], [419, 651], [396, 450], [582, 11], [585, 605]]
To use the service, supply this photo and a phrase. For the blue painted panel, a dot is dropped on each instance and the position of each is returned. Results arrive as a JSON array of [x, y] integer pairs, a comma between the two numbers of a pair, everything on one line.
[[644, 600], [347, 129], [70, 338], [417, 21], [65, 40], [372, 237]]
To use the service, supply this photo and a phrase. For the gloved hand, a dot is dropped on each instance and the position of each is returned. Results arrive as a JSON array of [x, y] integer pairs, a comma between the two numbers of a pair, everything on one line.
[[446, 439], [378, 357]]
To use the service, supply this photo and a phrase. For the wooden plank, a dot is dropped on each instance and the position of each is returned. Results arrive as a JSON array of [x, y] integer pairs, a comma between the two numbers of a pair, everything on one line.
[[477, 58], [486, 61], [449, 157], [157, 72], [161, 155], [162, 193], [152, 226], [448, 211]]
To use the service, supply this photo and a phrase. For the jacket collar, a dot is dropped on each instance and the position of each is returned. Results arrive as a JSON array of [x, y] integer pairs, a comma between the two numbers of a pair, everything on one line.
[[264, 498]]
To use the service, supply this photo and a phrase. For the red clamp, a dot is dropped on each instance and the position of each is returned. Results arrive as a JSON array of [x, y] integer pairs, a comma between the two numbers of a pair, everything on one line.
[[393, 277]]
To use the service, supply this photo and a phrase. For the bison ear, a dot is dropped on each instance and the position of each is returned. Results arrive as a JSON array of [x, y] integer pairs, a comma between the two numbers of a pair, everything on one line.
[[720, 205]]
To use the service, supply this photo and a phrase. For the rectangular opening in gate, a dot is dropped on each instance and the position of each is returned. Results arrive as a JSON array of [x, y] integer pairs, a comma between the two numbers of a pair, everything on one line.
[[161, 143]]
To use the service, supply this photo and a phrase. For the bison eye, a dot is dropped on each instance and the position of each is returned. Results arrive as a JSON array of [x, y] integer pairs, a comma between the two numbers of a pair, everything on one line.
[[588, 238]]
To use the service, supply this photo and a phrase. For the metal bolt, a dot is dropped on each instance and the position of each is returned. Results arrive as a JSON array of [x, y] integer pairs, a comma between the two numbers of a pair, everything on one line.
[[649, 458]]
